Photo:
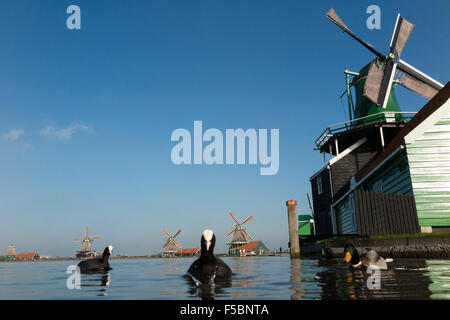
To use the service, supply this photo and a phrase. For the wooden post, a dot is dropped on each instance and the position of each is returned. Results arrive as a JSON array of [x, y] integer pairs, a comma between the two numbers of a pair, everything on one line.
[[293, 229]]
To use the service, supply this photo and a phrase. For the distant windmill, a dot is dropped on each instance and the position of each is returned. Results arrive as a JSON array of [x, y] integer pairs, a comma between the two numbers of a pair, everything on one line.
[[86, 250], [170, 247], [240, 235]]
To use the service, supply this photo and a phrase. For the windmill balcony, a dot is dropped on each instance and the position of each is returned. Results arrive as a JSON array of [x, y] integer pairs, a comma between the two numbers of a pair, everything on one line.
[[387, 118]]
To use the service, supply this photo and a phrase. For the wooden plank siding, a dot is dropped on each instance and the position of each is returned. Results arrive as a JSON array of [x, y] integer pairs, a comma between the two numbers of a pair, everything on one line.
[[394, 176], [379, 213], [322, 202], [348, 166], [429, 162], [369, 213], [345, 216]]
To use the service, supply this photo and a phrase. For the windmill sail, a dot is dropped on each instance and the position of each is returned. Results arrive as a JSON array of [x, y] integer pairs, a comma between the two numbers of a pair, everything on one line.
[[86, 249], [382, 74], [239, 233], [333, 17], [171, 244]]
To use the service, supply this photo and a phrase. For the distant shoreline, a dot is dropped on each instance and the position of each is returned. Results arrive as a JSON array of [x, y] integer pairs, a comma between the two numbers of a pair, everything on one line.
[[155, 256]]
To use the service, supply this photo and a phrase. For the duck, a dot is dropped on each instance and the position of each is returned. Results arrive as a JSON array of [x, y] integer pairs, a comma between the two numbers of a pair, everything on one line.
[[97, 265], [208, 267], [365, 258]]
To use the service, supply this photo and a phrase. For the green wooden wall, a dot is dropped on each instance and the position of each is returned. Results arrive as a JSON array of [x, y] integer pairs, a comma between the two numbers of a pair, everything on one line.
[[345, 216], [429, 162], [393, 177]]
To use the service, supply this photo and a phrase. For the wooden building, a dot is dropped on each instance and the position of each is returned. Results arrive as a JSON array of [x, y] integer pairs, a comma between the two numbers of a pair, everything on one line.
[[27, 256], [402, 188], [187, 252], [253, 248], [416, 164]]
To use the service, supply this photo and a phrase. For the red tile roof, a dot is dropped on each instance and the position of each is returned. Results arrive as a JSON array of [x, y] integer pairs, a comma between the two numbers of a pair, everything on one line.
[[187, 250], [248, 246], [26, 255]]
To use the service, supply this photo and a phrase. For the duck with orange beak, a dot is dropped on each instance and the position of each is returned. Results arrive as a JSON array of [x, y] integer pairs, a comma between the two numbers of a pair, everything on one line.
[[364, 259]]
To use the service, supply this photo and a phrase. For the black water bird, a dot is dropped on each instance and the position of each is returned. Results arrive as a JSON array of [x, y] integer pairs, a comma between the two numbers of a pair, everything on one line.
[[208, 267], [97, 265], [365, 258]]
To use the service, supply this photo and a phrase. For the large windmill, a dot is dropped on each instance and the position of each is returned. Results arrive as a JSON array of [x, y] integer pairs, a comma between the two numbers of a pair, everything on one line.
[[374, 121], [170, 247], [375, 99], [240, 235], [86, 249]]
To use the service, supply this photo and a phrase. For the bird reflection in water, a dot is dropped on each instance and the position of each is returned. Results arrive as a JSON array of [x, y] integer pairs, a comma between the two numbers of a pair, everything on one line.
[[99, 280], [207, 291]]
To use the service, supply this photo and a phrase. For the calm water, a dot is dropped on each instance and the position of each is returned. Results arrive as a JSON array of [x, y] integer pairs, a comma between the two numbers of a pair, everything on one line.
[[253, 278]]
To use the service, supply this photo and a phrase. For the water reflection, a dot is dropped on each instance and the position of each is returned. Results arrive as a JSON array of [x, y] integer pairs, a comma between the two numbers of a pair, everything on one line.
[[253, 278], [245, 277], [296, 279], [96, 282], [439, 274], [207, 291], [405, 279]]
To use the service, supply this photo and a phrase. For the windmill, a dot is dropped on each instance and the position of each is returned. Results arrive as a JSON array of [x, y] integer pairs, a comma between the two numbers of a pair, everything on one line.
[[170, 247], [86, 250], [390, 69], [240, 235], [375, 99]]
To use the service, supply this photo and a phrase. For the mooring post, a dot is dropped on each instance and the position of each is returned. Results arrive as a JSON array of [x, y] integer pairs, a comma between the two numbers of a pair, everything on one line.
[[293, 229]]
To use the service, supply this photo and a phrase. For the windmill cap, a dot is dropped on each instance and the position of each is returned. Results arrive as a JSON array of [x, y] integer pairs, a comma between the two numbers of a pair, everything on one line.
[[291, 202]]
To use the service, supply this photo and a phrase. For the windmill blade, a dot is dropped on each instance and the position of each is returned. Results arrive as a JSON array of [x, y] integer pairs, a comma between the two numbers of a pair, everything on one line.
[[94, 238], [231, 231], [234, 218], [373, 82], [248, 220], [402, 30], [401, 33], [168, 234], [78, 239], [87, 232], [417, 81], [178, 232], [310, 207], [386, 83], [176, 243], [246, 235], [333, 17]]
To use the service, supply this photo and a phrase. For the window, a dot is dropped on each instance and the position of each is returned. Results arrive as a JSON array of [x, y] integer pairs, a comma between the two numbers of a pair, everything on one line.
[[319, 184]]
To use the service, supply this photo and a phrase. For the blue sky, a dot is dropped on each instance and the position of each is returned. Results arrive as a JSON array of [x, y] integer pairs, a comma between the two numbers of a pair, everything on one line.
[[87, 115]]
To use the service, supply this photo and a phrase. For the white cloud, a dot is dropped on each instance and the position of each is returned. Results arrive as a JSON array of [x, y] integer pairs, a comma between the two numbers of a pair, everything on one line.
[[13, 135], [64, 133]]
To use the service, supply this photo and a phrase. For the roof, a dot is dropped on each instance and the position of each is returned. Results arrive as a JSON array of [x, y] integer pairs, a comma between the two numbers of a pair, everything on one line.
[[26, 255], [187, 250], [248, 246], [435, 103]]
